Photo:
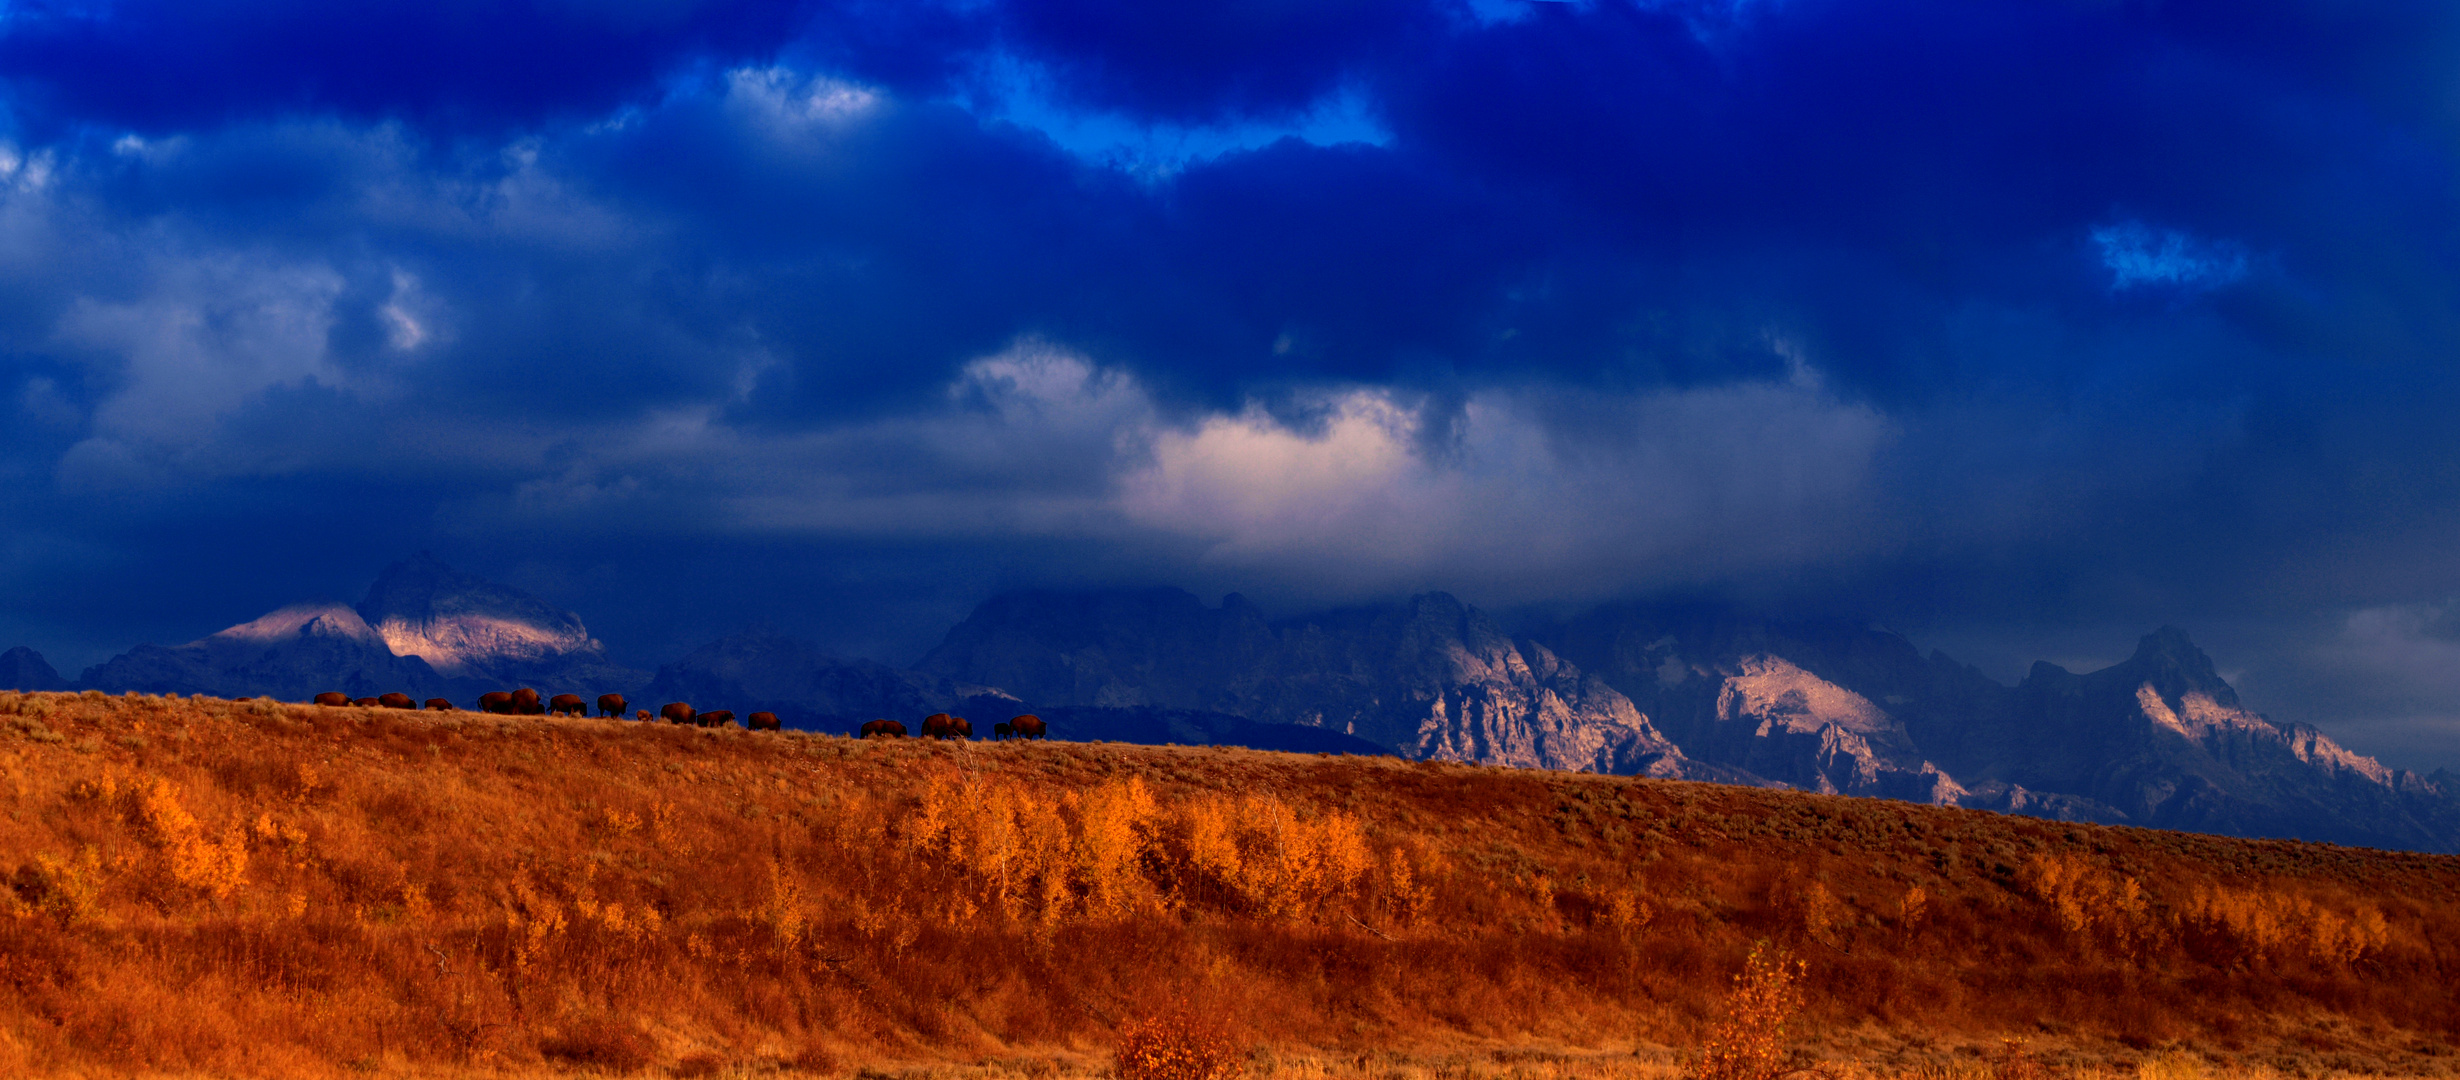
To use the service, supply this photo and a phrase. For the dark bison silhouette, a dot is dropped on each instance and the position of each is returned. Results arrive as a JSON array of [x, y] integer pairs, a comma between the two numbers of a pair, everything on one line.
[[1002, 730], [643, 716], [525, 702], [396, 701], [886, 729], [441, 704], [568, 705], [1028, 726], [716, 718], [332, 698], [763, 721], [364, 703], [612, 704], [676, 712], [940, 725], [495, 701]]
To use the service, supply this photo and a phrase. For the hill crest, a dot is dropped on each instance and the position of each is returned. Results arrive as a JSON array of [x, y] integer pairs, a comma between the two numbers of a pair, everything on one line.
[[457, 890]]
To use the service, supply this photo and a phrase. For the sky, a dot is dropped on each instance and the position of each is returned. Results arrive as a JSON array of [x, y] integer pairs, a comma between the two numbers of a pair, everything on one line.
[[2022, 328]]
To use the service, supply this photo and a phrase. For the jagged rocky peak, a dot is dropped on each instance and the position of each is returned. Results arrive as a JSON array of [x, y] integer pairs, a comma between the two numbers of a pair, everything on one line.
[[291, 653], [464, 625], [1774, 693], [2176, 668], [2173, 685], [316, 619], [1788, 724]]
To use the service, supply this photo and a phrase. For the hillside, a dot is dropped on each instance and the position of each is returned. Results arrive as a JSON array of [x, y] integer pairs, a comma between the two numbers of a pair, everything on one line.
[[1708, 693], [261, 889], [1672, 691]]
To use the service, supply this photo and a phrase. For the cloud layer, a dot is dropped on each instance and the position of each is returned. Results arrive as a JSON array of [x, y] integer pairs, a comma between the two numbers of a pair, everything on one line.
[[1985, 320]]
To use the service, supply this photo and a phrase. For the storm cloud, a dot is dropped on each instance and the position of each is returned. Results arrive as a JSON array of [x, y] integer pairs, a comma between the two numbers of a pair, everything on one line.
[[2015, 326]]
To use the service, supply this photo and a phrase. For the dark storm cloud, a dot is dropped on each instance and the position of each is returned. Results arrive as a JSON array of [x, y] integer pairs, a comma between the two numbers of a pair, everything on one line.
[[160, 66], [1996, 320], [1214, 62]]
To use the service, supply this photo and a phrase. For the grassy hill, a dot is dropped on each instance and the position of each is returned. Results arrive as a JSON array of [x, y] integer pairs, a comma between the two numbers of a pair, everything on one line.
[[254, 888]]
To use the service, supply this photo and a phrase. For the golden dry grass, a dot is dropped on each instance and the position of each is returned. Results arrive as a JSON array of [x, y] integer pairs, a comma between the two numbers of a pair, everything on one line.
[[201, 887]]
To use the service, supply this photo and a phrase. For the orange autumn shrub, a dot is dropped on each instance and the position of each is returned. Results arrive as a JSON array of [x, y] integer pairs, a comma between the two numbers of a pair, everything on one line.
[[1754, 1039], [1178, 1043]]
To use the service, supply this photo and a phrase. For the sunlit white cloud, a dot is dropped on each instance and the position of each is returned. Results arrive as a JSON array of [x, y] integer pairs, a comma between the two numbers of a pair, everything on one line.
[[1525, 494], [1510, 495], [792, 103]]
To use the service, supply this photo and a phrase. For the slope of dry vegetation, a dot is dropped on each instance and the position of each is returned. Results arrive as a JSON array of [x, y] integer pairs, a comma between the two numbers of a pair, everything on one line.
[[263, 889]]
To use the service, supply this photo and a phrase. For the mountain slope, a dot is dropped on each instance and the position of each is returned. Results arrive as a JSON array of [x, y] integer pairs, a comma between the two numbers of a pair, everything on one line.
[[1820, 707], [2164, 739], [1711, 694], [809, 688], [293, 653], [2159, 739], [424, 629], [1435, 678], [483, 634], [22, 668], [1429, 678]]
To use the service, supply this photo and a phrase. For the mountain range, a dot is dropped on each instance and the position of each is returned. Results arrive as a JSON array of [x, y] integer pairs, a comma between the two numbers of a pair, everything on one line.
[[1659, 690], [424, 628]]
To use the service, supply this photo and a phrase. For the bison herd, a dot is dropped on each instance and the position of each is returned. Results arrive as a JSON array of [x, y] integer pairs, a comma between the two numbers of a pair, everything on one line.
[[944, 726], [525, 702]]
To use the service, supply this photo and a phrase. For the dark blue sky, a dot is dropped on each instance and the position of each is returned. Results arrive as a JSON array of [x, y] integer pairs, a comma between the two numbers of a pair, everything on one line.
[[2021, 327]]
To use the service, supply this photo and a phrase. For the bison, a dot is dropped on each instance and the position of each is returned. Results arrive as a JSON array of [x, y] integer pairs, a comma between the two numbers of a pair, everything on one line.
[[960, 727], [395, 701], [364, 703], [716, 718], [763, 721], [938, 725], [643, 716], [1002, 730], [441, 704], [525, 702], [333, 698], [496, 701], [676, 712], [887, 729], [567, 705], [1028, 726], [612, 704]]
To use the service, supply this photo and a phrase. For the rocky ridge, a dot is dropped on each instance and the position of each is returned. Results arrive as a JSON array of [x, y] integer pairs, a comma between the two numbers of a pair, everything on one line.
[[424, 629], [293, 653], [1431, 678], [2158, 740], [477, 632]]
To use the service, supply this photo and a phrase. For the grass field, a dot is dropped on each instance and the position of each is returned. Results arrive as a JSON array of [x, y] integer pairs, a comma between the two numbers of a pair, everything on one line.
[[205, 887]]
